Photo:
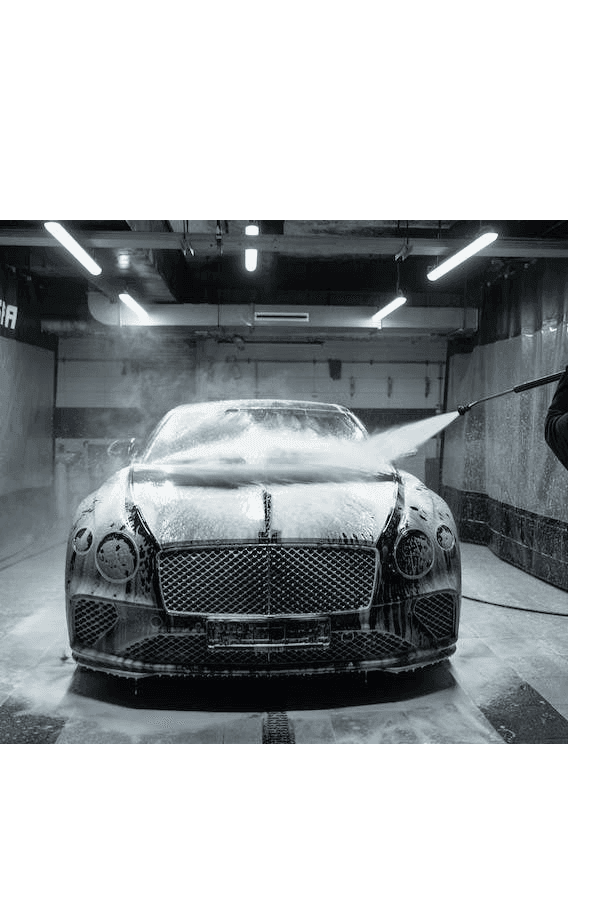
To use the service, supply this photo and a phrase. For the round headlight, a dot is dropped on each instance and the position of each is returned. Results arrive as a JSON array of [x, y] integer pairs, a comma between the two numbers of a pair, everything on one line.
[[117, 557], [82, 540], [445, 537], [414, 554]]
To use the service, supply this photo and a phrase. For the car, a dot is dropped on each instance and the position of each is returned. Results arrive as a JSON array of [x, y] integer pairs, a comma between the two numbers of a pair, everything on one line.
[[260, 537]]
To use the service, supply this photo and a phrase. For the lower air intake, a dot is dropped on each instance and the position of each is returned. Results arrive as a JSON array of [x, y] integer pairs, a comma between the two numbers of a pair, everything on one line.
[[190, 649], [92, 619], [436, 614]]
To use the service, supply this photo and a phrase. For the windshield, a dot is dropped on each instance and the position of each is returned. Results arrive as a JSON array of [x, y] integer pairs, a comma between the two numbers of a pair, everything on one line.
[[193, 433]]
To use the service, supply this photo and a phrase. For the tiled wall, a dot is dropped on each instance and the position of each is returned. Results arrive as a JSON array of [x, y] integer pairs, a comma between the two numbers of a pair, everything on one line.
[[504, 484]]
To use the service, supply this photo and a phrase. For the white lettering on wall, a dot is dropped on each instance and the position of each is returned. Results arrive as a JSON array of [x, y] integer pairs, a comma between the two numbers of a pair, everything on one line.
[[8, 315]]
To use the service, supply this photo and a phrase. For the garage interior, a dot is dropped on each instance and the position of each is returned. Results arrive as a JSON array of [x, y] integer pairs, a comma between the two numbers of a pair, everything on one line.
[[80, 369]]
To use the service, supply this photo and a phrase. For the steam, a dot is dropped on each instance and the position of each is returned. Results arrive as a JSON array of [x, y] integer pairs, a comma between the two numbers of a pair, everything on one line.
[[227, 457], [406, 439]]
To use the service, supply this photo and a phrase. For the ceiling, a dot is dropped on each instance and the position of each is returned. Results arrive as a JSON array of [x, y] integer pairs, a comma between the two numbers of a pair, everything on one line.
[[190, 274]]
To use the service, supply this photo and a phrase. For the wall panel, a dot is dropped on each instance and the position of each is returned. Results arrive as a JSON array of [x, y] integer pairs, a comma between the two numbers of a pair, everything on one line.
[[505, 486], [26, 407]]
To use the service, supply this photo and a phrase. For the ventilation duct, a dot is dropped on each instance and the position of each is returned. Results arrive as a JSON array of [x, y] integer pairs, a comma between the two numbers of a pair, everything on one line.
[[278, 318], [239, 317]]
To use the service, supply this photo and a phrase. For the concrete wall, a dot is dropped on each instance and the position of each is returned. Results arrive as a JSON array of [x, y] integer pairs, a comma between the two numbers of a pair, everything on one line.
[[27, 367], [26, 401]]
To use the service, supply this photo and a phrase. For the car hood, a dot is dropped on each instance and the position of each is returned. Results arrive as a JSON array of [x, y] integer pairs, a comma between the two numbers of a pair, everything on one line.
[[280, 501]]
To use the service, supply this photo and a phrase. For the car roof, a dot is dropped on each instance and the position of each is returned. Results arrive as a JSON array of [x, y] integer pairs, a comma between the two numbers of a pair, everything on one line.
[[263, 404]]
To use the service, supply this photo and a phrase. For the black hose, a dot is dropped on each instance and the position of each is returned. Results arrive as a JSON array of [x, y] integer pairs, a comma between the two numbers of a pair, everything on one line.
[[541, 612], [23, 556]]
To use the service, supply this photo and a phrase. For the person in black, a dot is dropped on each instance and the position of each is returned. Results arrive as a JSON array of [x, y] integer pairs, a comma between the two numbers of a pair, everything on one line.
[[556, 424]]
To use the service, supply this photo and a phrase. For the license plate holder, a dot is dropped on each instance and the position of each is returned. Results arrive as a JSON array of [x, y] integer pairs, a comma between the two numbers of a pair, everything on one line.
[[264, 635]]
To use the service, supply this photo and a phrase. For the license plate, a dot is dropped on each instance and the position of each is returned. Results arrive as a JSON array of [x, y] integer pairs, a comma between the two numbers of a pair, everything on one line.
[[268, 635]]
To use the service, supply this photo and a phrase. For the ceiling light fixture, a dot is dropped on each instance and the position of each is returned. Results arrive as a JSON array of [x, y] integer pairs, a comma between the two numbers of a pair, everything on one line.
[[75, 249], [399, 300], [474, 247], [382, 313], [134, 306], [250, 254]]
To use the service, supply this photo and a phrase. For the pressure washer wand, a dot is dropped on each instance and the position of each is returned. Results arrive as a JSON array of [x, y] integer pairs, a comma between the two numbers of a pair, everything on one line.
[[526, 386]]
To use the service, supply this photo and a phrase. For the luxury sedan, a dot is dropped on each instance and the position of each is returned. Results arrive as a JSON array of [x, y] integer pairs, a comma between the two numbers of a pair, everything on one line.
[[261, 537]]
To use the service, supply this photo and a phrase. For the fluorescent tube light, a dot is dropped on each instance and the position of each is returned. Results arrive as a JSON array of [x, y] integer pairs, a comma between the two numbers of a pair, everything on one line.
[[251, 256], [75, 249], [135, 307], [463, 254], [382, 313]]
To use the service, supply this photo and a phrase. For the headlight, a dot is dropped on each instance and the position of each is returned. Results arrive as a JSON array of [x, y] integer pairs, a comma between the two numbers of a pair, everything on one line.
[[82, 540], [117, 557], [445, 537], [414, 554]]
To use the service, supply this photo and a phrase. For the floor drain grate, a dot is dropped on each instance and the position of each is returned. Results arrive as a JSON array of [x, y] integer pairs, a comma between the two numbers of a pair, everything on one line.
[[277, 729]]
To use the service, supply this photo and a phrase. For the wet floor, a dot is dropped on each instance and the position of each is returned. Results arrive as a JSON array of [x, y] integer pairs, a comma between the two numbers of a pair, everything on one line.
[[507, 682]]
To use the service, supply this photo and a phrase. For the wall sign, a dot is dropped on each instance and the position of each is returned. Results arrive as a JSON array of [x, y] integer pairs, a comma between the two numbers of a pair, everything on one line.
[[8, 315], [20, 311]]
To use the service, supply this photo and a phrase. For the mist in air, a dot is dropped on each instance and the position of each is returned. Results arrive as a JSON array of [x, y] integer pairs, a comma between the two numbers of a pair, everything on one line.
[[405, 439], [240, 451]]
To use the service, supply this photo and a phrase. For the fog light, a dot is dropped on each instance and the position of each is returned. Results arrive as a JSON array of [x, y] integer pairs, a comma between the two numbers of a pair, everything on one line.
[[414, 554], [117, 557]]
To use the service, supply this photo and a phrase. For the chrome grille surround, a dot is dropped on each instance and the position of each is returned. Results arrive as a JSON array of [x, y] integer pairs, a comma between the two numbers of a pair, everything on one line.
[[267, 579]]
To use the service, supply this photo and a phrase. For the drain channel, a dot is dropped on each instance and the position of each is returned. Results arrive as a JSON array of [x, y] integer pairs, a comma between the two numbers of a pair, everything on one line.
[[277, 729]]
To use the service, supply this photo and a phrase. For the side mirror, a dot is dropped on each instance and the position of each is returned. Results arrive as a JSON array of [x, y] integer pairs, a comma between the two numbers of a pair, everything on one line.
[[123, 448]]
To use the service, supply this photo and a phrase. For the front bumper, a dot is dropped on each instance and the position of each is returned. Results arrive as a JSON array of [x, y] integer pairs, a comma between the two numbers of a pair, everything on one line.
[[136, 641]]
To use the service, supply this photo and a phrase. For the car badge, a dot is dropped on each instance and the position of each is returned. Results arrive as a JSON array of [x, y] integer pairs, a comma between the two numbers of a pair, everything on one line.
[[267, 536]]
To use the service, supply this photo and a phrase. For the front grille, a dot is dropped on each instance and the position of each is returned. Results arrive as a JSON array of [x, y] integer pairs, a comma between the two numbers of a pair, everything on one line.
[[189, 649], [269, 579], [436, 614], [92, 619]]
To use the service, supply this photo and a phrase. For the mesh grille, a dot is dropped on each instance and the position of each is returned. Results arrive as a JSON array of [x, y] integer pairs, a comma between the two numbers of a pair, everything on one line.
[[191, 650], [169, 649], [436, 614], [267, 579], [277, 729], [92, 619]]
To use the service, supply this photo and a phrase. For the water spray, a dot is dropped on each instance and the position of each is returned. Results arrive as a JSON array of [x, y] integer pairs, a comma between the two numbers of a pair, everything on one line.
[[526, 386]]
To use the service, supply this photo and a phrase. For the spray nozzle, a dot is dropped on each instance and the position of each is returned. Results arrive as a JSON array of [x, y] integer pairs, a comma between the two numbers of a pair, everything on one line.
[[526, 386]]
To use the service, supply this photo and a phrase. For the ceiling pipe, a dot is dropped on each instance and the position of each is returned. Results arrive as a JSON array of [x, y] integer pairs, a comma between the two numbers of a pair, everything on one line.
[[317, 245]]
